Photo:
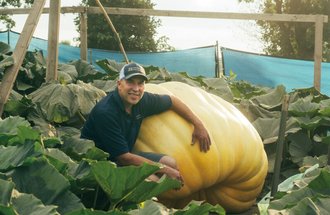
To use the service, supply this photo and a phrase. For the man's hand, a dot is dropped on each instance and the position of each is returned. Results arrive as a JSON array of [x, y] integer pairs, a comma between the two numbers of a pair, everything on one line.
[[172, 173], [200, 133]]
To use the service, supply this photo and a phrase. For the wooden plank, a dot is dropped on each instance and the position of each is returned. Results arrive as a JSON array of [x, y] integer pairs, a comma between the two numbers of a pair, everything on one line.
[[19, 52], [83, 36], [318, 52], [53, 40], [176, 13]]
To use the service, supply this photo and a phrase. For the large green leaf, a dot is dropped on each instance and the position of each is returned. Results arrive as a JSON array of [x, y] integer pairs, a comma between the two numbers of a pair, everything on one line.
[[67, 73], [154, 189], [10, 124], [43, 181], [201, 208], [125, 184], [309, 123], [321, 184], [219, 87], [15, 156], [60, 103], [6, 189], [78, 149], [97, 212], [4, 48], [105, 85], [304, 107], [7, 210], [63, 163], [268, 128], [310, 206], [272, 100], [86, 71], [19, 107], [57, 102], [253, 111], [299, 147], [27, 204], [5, 61], [308, 200], [86, 96], [325, 107], [111, 67]]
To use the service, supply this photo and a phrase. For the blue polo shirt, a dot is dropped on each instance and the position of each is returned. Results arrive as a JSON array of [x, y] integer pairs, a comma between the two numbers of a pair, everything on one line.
[[113, 129]]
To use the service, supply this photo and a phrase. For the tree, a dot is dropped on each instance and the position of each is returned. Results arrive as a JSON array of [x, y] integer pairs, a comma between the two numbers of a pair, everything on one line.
[[6, 19], [137, 33], [291, 39]]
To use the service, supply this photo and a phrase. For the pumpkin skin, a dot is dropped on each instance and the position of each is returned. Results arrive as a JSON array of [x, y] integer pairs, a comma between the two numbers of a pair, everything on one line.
[[231, 173]]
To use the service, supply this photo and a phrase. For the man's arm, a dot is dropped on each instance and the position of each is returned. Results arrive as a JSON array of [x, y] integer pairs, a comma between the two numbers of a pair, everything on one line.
[[200, 133], [133, 159]]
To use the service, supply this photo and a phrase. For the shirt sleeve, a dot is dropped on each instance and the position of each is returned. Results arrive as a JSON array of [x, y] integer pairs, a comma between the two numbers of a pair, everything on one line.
[[110, 136], [156, 103]]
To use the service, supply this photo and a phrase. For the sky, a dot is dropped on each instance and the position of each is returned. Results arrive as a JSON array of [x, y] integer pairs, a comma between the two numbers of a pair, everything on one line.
[[183, 33]]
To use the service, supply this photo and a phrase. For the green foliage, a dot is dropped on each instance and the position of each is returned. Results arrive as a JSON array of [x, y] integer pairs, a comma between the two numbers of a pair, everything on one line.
[[6, 19], [293, 39], [137, 33], [35, 179]]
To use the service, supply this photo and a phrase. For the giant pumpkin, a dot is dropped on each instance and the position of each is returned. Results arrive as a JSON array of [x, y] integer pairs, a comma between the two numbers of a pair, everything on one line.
[[231, 173]]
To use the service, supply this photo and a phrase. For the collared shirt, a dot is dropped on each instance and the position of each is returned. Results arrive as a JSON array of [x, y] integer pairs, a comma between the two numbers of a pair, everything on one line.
[[113, 129]]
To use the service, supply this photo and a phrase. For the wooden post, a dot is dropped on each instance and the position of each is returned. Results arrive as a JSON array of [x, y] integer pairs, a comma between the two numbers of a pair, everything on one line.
[[279, 145], [53, 39], [113, 29], [318, 51], [20, 51], [83, 36]]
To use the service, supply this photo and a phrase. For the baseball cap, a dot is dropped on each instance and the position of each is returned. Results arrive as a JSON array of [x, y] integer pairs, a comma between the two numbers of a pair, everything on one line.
[[130, 70]]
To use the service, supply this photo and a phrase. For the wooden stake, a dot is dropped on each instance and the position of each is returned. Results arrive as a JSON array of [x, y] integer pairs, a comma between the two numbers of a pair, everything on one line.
[[83, 36], [53, 39], [279, 146], [113, 29], [20, 51]]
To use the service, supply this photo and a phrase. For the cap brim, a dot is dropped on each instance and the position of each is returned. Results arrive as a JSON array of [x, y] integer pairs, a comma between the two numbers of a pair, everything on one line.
[[135, 75]]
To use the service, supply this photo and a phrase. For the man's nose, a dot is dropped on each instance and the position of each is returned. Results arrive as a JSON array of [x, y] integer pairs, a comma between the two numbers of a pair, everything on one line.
[[135, 87]]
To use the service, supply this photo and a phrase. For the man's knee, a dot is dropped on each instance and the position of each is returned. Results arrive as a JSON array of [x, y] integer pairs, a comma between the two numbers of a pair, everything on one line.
[[169, 161]]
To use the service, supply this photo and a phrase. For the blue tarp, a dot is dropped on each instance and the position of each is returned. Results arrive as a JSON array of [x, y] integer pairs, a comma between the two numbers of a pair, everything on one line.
[[257, 69], [196, 61], [272, 71]]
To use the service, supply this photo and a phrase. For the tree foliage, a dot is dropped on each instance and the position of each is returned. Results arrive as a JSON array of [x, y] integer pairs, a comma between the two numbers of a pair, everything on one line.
[[6, 19], [137, 33], [294, 39]]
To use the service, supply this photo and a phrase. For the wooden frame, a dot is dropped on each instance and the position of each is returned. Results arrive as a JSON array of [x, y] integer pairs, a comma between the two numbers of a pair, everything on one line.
[[317, 19], [52, 63]]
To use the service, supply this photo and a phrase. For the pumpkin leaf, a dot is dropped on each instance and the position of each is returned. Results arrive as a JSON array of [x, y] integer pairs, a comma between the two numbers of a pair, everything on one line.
[[309, 198], [4, 48], [309, 123], [10, 124], [299, 147], [52, 187], [219, 87], [29, 204], [60, 103], [325, 107], [271, 100], [268, 128], [304, 107], [6, 189], [127, 184]]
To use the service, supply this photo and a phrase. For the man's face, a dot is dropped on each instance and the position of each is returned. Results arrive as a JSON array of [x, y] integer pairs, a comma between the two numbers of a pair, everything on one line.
[[131, 90]]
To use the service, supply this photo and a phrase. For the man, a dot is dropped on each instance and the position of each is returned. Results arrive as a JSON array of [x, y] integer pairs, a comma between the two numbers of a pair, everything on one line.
[[114, 122]]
